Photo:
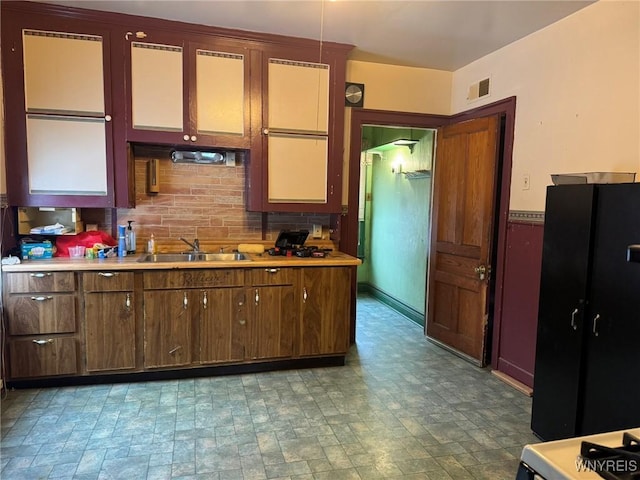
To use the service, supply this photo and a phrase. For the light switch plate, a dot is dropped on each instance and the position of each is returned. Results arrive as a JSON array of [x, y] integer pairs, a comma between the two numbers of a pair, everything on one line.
[[317, 231]]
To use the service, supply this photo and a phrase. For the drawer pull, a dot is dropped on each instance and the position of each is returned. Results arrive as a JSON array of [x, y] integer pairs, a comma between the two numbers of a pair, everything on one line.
[[242, 322], [127, 301], [204, 300], [272, 270], [43, 342], [185, 301], [304, 294], [42, 298], [40, 275], [257, 298], [174, 350], [108, 274]]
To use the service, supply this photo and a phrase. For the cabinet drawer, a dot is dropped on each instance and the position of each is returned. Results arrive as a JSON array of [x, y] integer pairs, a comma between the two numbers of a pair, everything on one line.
[[34, 314], [40, 282], [42, 357], [272, 276], [194, 278], [107, 281]]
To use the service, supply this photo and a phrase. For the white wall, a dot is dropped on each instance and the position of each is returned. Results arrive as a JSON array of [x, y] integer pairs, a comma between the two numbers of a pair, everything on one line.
[[402, 89], [577, 84]]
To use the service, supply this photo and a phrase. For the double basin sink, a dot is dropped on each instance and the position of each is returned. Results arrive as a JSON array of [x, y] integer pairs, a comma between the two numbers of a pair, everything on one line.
[[193, 257]]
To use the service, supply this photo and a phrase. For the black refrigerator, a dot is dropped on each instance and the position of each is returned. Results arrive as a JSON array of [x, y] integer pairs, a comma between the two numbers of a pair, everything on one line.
[[587, 367]]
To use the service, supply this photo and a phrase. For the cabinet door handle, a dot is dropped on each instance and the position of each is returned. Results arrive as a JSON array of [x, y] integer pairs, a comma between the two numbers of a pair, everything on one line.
[[242, 322], [204, 300], [185, 301], [304, 294], [573, 319], [43, 342], [174, 350], [40, 275], [272, 270], [186, 138], [595, 324], [42, 298], [193, 138], [257, 298], [108, 274], [107, 118], [127, 301]]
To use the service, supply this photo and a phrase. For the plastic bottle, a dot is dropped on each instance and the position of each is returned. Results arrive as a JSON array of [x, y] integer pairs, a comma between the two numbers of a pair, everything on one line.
[[122, 241], [131, 238], [151, 245]]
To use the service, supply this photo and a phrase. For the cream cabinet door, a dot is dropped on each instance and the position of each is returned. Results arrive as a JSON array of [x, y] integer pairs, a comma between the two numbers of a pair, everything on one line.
[[219, 92], [298, 96], [297, 168], [157, 87], [63, 73], [66, 155]]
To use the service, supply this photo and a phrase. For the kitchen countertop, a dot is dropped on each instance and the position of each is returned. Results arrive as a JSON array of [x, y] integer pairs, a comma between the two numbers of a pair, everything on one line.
[[130, 262]]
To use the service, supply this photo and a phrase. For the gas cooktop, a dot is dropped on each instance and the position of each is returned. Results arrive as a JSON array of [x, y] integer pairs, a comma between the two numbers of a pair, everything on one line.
[[612, 455]]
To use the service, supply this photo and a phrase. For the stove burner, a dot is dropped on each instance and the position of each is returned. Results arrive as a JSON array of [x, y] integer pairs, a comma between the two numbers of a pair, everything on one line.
[[621, 463]]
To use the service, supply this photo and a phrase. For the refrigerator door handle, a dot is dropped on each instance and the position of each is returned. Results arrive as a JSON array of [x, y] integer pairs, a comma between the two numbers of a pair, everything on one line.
[[573, 319], [595, 324]]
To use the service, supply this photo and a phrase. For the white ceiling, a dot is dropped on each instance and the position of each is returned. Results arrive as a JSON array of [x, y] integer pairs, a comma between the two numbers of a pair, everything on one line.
[[439, 34]]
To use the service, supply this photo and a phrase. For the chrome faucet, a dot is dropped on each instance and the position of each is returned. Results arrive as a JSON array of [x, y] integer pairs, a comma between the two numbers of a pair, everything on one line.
[[195, 246]]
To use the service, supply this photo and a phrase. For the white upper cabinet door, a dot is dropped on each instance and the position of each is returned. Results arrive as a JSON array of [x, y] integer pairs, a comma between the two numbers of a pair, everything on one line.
[[297, 171], [220, 92], [66, 155], [157, 87], [298, 96], [63, 73]]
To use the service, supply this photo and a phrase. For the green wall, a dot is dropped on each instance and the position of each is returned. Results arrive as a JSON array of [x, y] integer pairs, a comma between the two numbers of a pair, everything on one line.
[[397, 222]]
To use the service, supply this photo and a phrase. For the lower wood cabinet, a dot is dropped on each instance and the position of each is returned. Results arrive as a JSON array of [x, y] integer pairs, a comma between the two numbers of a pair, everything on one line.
[[43, 356], [41, 323], [109, 321], [324, 328], [168, 317], [202, 305], [106, 322], [222, 323]]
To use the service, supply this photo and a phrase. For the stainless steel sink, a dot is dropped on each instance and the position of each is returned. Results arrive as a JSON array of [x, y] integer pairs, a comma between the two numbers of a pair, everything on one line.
[[193, 257]]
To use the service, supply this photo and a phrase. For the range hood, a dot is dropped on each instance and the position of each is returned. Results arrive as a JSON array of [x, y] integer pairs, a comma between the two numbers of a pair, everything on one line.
[[204, 157]]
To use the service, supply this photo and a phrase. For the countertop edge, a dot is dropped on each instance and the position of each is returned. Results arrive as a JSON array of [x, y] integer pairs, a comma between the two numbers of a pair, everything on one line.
[[60, 264]]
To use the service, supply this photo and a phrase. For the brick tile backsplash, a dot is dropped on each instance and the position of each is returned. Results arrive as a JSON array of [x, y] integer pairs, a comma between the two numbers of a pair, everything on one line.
[[201, 201]]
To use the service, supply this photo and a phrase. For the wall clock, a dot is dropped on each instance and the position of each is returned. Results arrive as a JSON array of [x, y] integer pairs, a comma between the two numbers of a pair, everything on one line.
[[354, 94]]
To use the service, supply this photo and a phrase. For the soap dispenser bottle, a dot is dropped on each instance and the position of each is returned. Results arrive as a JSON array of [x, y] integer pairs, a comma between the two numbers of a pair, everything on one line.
[[131, 238]]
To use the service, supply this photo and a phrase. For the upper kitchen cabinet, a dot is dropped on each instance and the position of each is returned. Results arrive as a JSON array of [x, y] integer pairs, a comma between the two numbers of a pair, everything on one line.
[[296, 160], [187, 92], [58, 133]]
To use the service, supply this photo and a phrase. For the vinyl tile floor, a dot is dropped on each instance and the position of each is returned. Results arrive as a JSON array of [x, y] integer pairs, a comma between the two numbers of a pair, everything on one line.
[[400, 408]]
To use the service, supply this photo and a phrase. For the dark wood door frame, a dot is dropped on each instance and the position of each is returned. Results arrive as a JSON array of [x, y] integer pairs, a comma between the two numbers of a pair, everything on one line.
[[349, 222]]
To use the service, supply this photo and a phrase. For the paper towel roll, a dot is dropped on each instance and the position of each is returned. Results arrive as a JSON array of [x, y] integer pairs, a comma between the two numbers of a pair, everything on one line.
[[251, 248]]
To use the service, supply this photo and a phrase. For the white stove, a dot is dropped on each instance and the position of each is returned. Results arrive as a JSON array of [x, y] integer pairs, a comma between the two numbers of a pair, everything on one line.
[[562, 460]]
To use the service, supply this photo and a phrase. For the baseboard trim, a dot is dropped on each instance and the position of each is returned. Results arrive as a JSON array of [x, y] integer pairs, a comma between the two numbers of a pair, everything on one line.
[[521, 387], [402, 308], [194, 372]]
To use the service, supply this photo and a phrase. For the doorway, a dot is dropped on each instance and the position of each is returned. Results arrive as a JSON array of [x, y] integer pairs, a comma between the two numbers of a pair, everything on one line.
[[348, 221], [394, 216]]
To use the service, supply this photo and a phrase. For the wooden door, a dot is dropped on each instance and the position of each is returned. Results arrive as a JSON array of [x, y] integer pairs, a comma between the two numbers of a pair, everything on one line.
[[110, 329], [324, 323], [461, 235], [168, 316], [223, 324], [274, 318]]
